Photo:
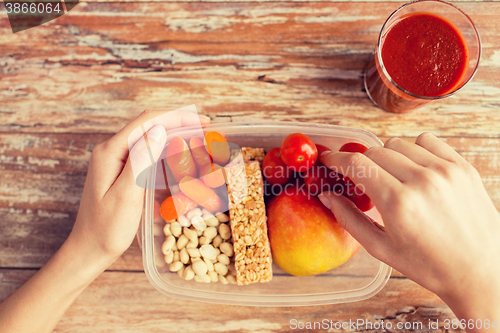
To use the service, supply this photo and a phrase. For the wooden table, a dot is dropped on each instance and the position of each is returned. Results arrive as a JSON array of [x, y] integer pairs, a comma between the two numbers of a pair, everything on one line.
[[72, 83]]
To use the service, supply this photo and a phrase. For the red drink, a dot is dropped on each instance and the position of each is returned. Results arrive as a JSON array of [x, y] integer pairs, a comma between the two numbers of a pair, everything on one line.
[[421, 56]]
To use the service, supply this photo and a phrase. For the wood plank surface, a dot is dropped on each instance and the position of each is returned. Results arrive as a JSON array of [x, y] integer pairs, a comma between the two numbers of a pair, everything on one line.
[[127, 302], [70, 84], [93, 70]]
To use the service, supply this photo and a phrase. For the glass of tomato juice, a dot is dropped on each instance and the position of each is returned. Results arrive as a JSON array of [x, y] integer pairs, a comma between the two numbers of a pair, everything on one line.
[[426, 50]]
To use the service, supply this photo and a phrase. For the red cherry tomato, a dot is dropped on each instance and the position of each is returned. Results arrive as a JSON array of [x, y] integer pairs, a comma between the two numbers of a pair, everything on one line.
[[320, 178], [353, 147], [321, 149], [360, 199], [298, 152], [274, 169]]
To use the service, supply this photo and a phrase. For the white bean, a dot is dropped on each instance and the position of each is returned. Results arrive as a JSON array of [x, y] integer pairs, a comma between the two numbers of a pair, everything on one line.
[[184, 221], [206, 212], [182, 242], [193, 252], [217, 241], [175, 266], [208, 251], [190, 234], [214, 277], [231, 279], [199, 267], [224, 231], [227, 249], [184, 256], [169, 257], [192, 245], [198, 223], [210, 264], [220, 268], [203, 278], [177, 256], [223, 279], [176, 229], [180, 272], [204, 240], [166, 229], [211, 221], [168, 244], [194, 212], [188, 273], [210, 232], [223, 259], [222, 217]]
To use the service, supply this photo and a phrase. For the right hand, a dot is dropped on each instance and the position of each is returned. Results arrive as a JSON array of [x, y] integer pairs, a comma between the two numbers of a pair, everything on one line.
[[440, 227]]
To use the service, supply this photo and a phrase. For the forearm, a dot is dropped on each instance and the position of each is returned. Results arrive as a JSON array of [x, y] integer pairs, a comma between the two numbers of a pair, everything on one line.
[[41, 302]]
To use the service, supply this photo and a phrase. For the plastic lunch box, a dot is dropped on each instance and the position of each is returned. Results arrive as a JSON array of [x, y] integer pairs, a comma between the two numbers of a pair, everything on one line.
[[360, 278]]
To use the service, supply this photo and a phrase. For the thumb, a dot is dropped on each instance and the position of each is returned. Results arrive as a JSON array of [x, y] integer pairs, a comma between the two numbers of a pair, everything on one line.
[[142, 156], [366, 231]]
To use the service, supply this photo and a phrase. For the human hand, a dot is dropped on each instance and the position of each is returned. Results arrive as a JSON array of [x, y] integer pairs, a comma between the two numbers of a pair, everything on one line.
[[440, 228], [113, 195]]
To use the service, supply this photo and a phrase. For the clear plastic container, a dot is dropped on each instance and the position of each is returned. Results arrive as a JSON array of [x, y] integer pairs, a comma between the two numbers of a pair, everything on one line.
[[360, 278]]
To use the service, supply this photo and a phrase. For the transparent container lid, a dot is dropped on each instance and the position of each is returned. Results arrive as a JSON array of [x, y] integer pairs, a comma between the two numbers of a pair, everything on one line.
[[359, 278]]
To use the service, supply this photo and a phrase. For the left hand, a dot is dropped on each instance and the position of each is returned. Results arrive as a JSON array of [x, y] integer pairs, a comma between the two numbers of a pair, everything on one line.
[[112, 201]]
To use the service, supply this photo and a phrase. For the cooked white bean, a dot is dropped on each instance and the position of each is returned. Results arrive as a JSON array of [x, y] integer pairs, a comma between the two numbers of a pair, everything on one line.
[[180, 272], [223, 259], [214, 277], [169, 257], [184, 256], [210, 264], [217, 241], [223, 218], [220, 268], [227, 249], [224, 231], [198, 223], [193, 252], [190, 234], [208, 251], [204, 240], [223, 279], [199, 267], [182, 242], [231, 279], [177, 256], [210, 232], [211, 221], [175, 266], [188, 273], [203, 278], [206, 212], [168, 244], [184, 221], [194, 212], [176, 229], [166, 230], [192, 245]]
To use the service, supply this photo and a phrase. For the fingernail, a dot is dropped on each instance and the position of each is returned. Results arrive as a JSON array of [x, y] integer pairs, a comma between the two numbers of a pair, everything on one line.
[[157, 133], [204, 117], [325, 201], [326, 152]]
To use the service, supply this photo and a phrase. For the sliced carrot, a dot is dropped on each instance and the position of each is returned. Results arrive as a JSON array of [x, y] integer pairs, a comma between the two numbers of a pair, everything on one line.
[[199, 152], [212, 175], [179, 159], [217, 147], [202, 194], [175, 206]]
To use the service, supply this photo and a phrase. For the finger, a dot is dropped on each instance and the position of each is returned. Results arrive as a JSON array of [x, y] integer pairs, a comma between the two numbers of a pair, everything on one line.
[[414, 152], [367, 232], [439, 148], [378, 184], [393, 162], [145, 153]]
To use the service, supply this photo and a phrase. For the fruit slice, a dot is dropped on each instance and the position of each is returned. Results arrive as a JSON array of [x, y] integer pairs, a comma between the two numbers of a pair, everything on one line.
[[353, 147], [175, 206], [217, 147], [202, 194], [179, 159], [199, 152], [212, 175]]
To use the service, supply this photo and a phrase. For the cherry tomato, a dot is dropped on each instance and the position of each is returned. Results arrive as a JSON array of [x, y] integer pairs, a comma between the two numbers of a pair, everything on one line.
[[298, 152], [321, 149], [360, 199], [274, 169], [320, 178], [353, 147]]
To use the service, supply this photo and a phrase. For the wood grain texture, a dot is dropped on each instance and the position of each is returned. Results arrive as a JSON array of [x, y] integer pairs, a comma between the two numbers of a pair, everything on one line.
[[93, 70], [127, 302]]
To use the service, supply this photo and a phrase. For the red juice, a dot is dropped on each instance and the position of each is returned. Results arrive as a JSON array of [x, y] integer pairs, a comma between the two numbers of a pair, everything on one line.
[[425, 54]]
